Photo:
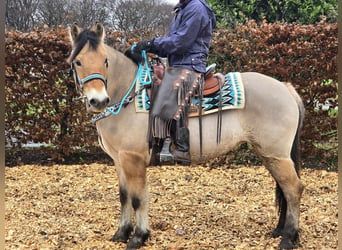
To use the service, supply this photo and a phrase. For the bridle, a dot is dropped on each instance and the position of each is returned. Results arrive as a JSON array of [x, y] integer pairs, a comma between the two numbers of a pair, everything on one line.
[[143, 75], [81, 82]]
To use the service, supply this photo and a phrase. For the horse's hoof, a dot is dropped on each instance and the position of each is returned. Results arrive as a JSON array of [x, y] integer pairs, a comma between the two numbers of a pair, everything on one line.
[[123, 233], [138, 240], [286, 244]]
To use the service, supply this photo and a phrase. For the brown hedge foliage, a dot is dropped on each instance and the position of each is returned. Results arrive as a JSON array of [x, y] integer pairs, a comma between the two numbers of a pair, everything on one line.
[[40, 92], [305, 55]]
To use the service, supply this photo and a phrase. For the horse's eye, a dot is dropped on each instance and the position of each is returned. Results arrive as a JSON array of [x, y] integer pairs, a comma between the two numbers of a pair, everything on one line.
[[78, 63], [106, 62]]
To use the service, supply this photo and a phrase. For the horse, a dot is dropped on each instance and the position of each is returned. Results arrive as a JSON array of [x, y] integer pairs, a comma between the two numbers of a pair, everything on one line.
[[271, 122]]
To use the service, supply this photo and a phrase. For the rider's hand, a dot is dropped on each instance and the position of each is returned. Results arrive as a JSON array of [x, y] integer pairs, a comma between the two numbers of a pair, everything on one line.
[[135, 56], [146, 45], [134, 52]]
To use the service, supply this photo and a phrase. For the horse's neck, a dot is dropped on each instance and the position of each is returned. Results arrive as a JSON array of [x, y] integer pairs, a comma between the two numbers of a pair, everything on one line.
[[121, 74]]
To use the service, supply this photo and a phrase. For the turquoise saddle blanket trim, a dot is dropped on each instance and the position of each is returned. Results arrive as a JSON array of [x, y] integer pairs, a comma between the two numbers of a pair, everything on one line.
[[233, 97]]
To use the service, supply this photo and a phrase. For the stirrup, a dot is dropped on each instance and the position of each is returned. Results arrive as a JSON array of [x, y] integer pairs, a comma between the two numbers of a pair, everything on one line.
[[165, 156]]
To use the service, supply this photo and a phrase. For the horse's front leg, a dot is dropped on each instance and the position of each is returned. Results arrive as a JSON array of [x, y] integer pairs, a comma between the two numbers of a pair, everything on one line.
[[125, 228], [133, 196]]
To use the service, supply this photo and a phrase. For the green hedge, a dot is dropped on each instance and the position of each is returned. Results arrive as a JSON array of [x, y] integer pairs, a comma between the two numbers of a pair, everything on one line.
[[40, 92]]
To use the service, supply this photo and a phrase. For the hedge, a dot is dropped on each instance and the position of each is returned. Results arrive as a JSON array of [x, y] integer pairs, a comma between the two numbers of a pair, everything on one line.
[[306, 56], [40, 105]]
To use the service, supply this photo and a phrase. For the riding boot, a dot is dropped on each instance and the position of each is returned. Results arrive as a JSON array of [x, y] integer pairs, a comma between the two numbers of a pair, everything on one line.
[[165, 157], [156, 146], [181, 153]]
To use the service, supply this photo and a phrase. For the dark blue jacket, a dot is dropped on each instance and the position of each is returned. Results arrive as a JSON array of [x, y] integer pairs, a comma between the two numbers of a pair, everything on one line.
[[188, 42]]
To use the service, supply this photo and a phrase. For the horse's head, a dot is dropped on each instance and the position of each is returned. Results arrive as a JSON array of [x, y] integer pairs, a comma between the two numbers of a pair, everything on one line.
[[89, 64]]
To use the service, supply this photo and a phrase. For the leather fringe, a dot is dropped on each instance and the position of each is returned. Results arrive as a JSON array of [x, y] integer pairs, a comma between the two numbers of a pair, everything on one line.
[[186, 84]]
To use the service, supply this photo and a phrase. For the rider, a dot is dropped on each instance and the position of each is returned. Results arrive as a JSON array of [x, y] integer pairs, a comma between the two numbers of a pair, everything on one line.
[[186, 46]]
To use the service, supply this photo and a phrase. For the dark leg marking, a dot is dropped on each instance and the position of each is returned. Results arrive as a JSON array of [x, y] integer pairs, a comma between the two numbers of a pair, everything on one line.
[[123, 195], [135, 203]]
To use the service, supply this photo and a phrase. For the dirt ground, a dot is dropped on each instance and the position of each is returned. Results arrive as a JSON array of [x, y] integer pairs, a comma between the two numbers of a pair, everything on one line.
[[77, 207]]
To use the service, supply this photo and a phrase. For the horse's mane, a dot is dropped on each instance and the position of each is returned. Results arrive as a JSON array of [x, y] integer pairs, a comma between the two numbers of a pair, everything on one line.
[[84, 37]]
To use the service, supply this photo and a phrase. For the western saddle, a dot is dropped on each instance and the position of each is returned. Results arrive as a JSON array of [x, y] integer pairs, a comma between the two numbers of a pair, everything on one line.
[[212, 81]]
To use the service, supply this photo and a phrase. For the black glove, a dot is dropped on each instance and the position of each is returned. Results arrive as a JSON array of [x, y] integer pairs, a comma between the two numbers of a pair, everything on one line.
[[134, 52], [147, 45], [136, 57]]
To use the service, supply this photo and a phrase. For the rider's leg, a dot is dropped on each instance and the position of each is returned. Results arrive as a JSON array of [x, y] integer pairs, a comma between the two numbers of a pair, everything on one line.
[[181, 137]]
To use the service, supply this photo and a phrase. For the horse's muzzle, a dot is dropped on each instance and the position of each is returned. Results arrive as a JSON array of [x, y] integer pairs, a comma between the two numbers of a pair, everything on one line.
[[96, 105]]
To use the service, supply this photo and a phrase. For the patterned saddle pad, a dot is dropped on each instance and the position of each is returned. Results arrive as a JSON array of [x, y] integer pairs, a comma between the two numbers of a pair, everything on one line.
[[233, 97]]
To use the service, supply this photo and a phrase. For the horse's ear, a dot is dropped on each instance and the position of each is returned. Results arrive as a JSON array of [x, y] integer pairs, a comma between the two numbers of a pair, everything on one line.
[[74, 31], [99, 30]]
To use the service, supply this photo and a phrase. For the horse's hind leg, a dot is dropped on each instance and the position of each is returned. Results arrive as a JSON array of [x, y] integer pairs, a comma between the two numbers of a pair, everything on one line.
[[289, 190], [134, 193]]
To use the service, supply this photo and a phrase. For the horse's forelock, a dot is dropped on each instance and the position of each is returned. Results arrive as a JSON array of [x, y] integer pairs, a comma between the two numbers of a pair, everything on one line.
[[84, 37]]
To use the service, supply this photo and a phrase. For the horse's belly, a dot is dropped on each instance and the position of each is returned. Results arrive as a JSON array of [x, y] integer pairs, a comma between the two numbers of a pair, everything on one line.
[[231, 134]]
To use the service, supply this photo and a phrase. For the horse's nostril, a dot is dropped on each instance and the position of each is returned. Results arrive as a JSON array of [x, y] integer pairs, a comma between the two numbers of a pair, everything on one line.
[[106, 101], [93, 102]]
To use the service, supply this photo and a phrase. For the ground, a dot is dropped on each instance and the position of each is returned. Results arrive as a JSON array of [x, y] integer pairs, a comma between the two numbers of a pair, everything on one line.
[[77, 207]]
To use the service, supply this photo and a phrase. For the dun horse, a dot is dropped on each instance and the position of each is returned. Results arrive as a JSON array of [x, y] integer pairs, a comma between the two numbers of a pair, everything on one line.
[[271, 122]]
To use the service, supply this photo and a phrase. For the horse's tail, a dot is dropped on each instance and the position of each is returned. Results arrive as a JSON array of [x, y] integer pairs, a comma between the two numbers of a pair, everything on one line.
[[295, 150]]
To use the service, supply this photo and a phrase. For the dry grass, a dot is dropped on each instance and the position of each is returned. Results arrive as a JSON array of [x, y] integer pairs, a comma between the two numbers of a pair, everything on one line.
[[77, 207]]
